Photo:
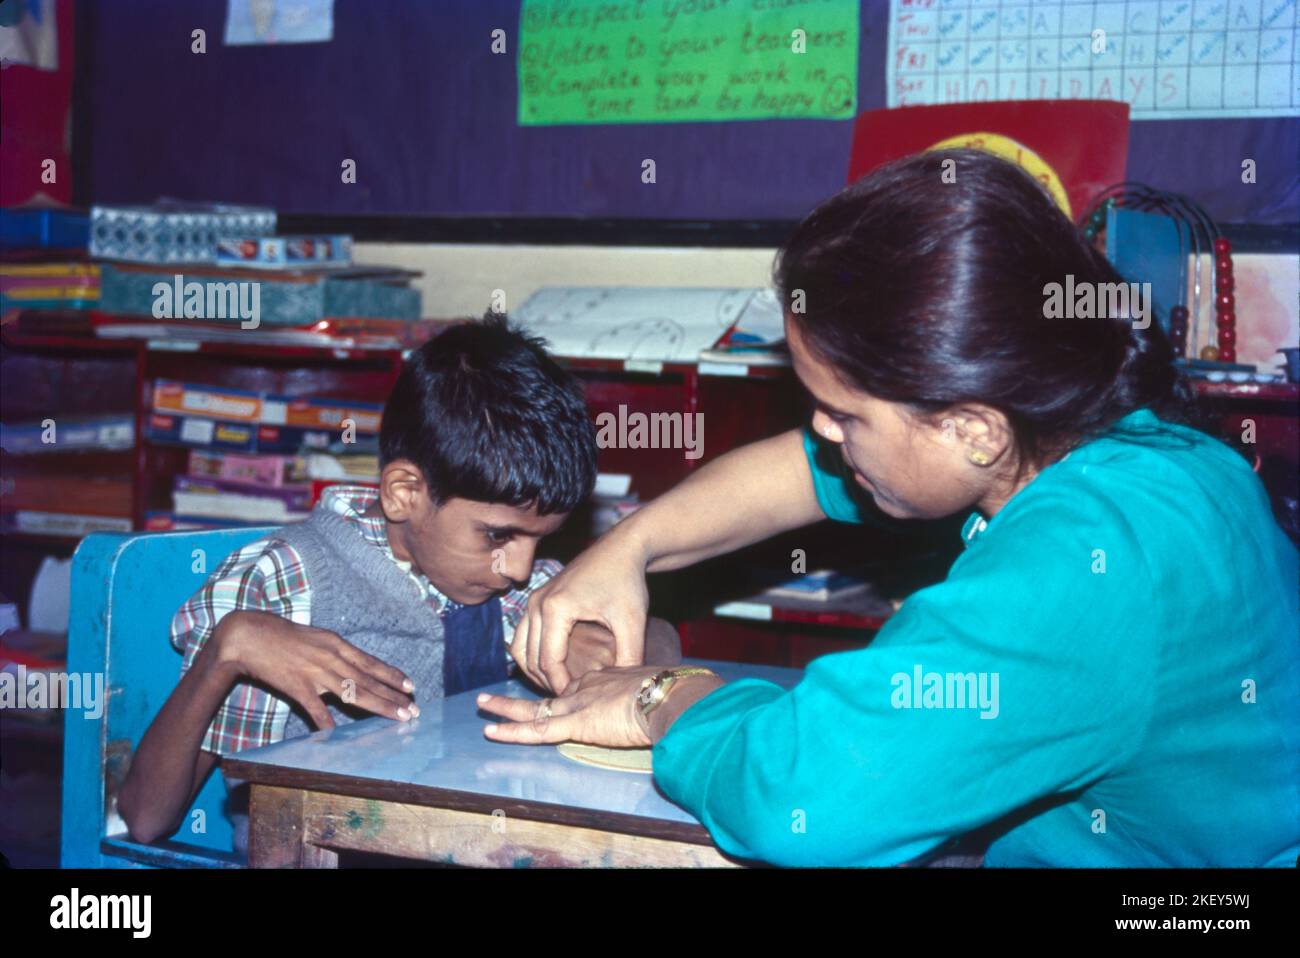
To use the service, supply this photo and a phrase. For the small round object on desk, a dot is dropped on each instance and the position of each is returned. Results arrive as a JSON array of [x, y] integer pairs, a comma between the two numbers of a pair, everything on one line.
[[1224, 302], [1210, 353], [1227, 355], [1227, 336], [1224, 265], [1223, 282], [1222, 245], [1228, 318]]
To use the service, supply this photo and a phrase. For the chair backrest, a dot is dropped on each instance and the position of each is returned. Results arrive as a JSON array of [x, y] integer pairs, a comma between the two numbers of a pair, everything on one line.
[[126, 587]]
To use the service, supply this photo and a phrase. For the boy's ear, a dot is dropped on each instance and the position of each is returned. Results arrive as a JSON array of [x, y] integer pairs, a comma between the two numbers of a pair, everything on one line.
[[402, 490]]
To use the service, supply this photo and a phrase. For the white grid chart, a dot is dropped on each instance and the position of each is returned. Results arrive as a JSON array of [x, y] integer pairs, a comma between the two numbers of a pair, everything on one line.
[[1168, 59]]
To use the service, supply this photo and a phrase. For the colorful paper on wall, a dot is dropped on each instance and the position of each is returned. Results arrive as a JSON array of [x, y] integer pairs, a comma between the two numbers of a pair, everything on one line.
[[279, 21], [28, 34], [589, 61]]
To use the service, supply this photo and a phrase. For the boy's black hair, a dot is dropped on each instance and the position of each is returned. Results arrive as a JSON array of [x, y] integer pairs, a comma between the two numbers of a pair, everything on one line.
[[487, 415]]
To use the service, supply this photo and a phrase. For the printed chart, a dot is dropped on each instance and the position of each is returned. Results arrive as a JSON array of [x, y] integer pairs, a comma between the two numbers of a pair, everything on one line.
[[1168, 59]]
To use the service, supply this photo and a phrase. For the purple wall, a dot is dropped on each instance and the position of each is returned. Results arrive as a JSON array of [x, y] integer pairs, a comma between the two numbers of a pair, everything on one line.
[[409, 89]]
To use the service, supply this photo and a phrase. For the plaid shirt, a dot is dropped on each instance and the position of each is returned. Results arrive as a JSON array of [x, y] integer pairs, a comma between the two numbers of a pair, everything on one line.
[[268, 576]]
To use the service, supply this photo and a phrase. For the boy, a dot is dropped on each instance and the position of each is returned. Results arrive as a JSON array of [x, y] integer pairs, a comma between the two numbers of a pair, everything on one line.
[[386, 599]]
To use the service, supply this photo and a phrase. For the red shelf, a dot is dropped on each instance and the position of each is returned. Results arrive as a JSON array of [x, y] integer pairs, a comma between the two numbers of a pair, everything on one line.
[[864, 610], [1281, 392], [58, 342], [656, 368]]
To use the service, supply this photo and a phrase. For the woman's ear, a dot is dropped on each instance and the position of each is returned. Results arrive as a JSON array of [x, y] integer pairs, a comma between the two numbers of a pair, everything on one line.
[[827, 427], [402, 490], [982, 433]]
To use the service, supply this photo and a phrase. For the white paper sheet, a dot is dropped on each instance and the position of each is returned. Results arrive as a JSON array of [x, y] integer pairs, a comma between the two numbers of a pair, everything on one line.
[[664, 324]]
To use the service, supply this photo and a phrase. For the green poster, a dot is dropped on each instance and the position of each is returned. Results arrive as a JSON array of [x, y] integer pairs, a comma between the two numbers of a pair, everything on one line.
[[657, 61]]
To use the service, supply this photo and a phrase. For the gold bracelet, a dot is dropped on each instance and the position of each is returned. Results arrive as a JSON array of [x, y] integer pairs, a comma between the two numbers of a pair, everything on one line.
[[655, 689]]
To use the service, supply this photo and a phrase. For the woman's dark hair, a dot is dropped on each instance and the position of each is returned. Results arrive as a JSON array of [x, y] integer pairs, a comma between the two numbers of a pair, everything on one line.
[[487, 415], [931, 290]]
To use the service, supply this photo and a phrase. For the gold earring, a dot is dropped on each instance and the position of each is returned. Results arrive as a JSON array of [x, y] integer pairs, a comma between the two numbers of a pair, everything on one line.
[[979, 458]]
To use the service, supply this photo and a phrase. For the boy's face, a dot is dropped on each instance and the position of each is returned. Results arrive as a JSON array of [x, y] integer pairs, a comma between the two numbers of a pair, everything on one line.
[[469, 550]]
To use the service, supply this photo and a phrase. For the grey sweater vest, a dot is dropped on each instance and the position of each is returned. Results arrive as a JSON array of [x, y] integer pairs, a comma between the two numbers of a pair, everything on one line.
[[360, 593]]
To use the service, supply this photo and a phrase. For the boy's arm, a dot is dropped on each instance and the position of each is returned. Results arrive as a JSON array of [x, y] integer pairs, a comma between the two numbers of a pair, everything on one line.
[[179, 748], [241, 627], [169, 766], [298, 662]]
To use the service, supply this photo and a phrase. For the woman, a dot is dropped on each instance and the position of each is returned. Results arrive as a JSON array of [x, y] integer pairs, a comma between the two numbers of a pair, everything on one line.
[[1109, 675]]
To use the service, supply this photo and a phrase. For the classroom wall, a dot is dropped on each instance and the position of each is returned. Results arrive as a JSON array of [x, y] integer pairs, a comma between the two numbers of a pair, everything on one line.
[[458, 280], [410, 90]]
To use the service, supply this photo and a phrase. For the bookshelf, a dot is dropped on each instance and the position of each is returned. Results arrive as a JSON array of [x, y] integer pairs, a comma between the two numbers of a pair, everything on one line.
[[63, 375]]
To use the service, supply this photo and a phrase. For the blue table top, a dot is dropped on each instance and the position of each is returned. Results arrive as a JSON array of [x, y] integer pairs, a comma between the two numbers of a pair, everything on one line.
[[445, 749]]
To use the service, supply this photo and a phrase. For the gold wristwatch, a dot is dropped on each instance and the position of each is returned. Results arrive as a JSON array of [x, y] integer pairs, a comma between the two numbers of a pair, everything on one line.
[[655, 689]]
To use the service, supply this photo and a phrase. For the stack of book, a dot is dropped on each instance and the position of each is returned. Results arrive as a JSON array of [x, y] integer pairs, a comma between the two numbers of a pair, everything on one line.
[[63, 285], [347, 333], [43, 493], [822, 585], [199, 501], [236, 420], [39, 504], [107, 433], [258, 458], [248, 299], [172, 231]]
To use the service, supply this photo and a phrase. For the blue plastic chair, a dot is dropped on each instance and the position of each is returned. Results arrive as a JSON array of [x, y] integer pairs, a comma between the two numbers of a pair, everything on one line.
[[125, 590]]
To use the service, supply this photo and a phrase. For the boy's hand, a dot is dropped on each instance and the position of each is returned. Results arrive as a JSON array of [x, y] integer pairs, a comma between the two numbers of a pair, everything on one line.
[[591, 648], [304, 663]]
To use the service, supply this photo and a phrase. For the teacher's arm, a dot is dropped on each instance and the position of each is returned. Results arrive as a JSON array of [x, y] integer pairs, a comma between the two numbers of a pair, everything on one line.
[[742, 497]]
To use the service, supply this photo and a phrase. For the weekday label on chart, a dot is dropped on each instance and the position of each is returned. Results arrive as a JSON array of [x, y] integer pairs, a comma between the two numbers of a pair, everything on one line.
[[655, 61], [1172, 59]]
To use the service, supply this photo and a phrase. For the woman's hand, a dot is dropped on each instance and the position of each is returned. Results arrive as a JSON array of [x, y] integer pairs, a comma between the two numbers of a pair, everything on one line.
[[742, 497], [598, 709], [605, 585]]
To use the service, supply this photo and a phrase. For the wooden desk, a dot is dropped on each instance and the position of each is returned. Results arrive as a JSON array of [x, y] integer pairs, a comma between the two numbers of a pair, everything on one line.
[[435, 789]]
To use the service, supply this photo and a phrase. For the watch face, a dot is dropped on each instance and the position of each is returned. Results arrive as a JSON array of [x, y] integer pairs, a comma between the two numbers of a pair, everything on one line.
[[646, 695]]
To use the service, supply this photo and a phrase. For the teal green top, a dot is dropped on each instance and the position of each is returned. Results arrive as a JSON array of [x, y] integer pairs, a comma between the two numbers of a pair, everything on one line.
[[1109, 676]]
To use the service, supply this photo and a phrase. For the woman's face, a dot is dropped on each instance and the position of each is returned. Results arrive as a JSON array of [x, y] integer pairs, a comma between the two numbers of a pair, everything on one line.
[[914, 467]]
